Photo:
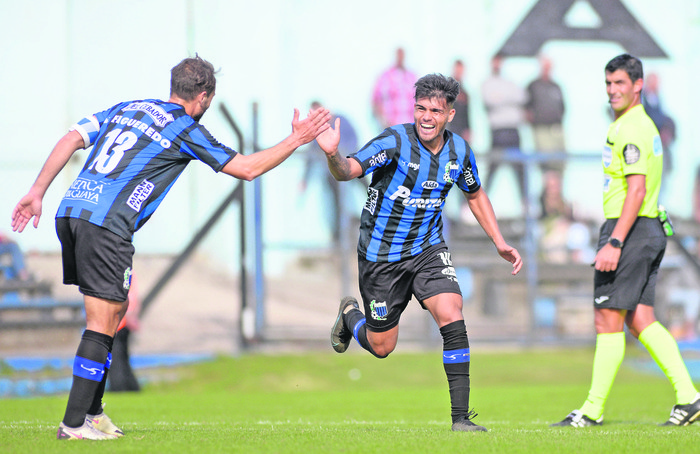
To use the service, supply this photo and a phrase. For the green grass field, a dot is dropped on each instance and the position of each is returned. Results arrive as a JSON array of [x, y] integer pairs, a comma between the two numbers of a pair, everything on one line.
[[351, 403]]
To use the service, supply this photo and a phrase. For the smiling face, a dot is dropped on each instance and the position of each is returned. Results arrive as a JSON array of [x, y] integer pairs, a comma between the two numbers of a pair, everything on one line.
[[431, 116], [622, 92]]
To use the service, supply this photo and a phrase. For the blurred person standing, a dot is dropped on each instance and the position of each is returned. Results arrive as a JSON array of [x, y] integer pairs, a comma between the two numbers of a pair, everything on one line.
[[545, 112], [139, 149], [651, 100], [401, 250], [314, 160], [461, 123], [630, 249], [504, 102], [392, 97]]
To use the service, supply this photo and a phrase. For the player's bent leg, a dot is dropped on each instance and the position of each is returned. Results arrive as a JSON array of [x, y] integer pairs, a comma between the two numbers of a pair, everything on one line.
[[382, 343]]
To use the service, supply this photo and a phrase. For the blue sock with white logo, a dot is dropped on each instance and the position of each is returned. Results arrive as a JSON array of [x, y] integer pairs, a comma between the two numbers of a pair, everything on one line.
[[455, 358], [88, 372]]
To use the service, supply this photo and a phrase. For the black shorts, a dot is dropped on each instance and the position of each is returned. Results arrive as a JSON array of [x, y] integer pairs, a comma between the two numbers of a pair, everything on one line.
[[634, 280], [95, 259], [386, 288]]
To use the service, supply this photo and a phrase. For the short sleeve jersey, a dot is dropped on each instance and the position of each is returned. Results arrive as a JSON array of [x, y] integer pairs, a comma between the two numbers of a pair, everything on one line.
[[633, 147], [140, 148], [403, 212]]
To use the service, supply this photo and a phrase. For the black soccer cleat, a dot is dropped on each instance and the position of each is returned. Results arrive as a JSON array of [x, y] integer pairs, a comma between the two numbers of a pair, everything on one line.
[[464, 424], [684, 415], [578, 419], [340, 334]]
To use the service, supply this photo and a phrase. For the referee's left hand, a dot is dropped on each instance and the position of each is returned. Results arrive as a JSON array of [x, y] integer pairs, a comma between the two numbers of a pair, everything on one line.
[[607, 258]]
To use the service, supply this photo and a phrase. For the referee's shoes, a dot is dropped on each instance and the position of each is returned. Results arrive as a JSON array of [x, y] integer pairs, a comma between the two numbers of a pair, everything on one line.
[[684, 415], [578, 419]]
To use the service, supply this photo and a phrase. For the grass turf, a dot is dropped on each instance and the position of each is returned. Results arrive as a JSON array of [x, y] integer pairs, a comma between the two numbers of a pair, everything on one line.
[[324, 402]]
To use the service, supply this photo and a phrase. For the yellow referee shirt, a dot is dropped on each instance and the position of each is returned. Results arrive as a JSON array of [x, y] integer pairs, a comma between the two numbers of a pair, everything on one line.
[[633, 147]]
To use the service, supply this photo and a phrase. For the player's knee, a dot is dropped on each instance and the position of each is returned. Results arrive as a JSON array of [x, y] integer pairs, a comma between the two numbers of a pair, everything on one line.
[[382, 351]]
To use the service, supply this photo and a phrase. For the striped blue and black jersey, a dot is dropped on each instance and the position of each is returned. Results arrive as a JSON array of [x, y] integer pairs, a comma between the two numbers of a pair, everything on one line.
[[140, 149], [403, 212]]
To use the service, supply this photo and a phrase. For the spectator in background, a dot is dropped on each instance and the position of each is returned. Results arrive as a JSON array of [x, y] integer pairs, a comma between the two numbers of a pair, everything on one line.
[[13, 266], [392, 98], [460, 123], [663, 122], [545, 112], [504, 102], [315, 159]]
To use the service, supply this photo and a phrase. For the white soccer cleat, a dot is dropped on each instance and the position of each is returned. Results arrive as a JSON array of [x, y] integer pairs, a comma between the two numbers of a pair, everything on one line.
[[104, 424], [85, 432]]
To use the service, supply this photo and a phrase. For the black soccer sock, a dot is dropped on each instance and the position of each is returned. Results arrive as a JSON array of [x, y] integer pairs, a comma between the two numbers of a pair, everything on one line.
[[455, 358], [355, 320], [88, 371], [96, 407]]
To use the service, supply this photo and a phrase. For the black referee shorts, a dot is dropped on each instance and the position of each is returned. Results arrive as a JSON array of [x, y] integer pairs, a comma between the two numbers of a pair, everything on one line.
[[386, 288], [95, 259], [634, 280]]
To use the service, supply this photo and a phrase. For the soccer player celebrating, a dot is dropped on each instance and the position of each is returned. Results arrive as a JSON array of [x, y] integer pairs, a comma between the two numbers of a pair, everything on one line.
[[631, 245], [401, 250], [140, 149]]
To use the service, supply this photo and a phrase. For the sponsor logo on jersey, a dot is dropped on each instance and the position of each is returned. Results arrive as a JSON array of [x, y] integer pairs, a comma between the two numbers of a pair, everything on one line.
[[631, 154], [606, 182], [377, 159], [404, 193], [451, 172], [140, 194], [157, 113], [410, 165], [469, 177], [378, 311], [86, 190], [371, 202], [430, 184], [658, 147], [607, 156]]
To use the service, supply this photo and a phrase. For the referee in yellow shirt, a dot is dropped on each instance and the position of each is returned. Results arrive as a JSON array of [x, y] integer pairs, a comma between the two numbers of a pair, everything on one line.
[[631, 245]]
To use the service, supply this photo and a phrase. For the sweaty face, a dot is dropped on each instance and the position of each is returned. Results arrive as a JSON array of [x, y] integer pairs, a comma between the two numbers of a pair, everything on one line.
[[431, 116], [622, 92]]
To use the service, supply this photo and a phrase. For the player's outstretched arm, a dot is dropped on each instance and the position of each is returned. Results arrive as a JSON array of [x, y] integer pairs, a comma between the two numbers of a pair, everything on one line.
[[249, 167], [30, 205], [342, 168], [482, 209]]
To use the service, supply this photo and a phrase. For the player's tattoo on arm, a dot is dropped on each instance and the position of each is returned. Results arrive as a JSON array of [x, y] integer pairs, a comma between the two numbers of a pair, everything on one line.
[[339, 166]]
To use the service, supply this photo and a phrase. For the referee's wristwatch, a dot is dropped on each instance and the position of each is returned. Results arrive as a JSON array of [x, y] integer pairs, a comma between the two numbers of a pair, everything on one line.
[[614, 242]]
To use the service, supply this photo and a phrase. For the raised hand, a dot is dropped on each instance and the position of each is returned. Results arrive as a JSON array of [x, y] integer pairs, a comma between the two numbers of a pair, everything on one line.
[[310, 127], [329, 139]]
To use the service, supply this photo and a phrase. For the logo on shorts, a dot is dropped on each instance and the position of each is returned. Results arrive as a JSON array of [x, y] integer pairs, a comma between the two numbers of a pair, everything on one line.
[[378, 310], [127, 278], [601, 299], [450, 273]]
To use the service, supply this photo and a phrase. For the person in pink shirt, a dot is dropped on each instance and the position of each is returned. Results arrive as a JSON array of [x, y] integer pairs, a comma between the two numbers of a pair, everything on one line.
[[392, 98]]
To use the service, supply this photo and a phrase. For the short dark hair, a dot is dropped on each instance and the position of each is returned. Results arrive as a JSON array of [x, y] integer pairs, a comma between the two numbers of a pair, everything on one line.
[[629, 64], [437, 86], [192, 76]]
